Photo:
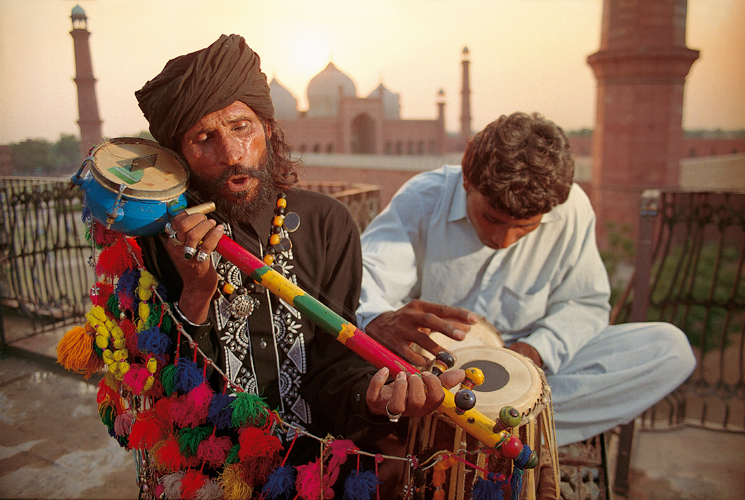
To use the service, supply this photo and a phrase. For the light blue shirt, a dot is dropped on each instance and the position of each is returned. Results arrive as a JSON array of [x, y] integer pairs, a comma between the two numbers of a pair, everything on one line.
[[550, 289]]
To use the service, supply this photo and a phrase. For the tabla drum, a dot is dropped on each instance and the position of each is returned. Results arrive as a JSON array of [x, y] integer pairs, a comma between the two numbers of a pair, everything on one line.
[[133, 185], [510, 379], [482, 334]]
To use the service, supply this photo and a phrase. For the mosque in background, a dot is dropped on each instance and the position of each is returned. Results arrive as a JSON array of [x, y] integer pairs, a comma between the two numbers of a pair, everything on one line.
[[339, 122]]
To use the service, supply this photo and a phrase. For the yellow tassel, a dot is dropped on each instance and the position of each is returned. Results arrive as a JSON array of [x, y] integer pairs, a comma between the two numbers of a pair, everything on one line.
[[148, 384], [144, 311], [75, 352], [233, 485], [144, 290]]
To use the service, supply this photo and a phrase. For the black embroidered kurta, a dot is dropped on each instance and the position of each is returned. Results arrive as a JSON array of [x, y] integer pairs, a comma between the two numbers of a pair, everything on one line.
[[312, 379]]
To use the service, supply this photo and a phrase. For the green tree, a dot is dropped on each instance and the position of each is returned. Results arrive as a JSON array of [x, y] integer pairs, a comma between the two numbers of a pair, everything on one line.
[[65, 153], [31, 156]]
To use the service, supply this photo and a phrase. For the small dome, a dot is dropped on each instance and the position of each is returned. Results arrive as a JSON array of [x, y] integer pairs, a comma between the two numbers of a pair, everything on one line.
[[78, 13], [326, 89], [391, 105], [285, 104]]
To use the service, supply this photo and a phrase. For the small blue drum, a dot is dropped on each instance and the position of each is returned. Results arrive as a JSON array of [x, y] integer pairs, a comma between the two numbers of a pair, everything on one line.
[[133, 185]]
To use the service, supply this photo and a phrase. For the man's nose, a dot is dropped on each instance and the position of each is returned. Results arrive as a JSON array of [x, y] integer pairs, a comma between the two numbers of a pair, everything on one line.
[[231, 149], [505, 237]]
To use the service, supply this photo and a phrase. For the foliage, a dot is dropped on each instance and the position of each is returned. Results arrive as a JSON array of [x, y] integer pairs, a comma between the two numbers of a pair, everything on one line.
[[40, 157], [704, 301], [618, 256]]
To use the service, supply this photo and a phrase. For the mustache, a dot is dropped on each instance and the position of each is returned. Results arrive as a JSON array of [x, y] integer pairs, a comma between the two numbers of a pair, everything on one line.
[[240, 171]]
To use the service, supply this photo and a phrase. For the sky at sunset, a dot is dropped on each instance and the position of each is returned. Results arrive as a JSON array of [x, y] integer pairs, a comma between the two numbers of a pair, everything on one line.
[[528, 55]]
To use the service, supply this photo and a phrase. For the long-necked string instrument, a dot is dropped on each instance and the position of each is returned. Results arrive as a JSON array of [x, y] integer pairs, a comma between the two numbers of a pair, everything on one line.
[[109, 190]]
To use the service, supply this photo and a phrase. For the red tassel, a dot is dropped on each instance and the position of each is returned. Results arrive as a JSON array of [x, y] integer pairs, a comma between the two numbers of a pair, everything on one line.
[[147, 430], [214, 450], [102, 293], [169, 457], [192, 482], [131, 337], [114, 260]]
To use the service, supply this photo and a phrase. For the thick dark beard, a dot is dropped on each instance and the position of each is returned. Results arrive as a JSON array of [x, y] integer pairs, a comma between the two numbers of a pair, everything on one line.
[[237, 207]]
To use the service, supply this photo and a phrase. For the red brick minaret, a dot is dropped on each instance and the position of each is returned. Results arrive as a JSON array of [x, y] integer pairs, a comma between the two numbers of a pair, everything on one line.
[[465, 101], [89, 122], [641, 69]]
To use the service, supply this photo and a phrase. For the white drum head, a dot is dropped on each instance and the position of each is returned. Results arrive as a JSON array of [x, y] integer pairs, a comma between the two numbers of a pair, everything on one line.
[[510, 379]]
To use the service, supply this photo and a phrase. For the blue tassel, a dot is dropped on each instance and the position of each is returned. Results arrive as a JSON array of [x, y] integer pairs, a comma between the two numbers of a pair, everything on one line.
[[360, 485], [221, 413], [279, 483], [516, 480], [127, 283], [488, 489], [188, 375], [153, 341]]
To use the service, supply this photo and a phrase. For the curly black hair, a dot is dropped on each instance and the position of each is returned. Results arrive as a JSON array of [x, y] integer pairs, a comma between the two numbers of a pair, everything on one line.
[[521, 163]]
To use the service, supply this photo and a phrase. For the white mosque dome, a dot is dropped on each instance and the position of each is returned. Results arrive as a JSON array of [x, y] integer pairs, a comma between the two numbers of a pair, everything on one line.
[[391, 104], [325, 91], [285, 104]]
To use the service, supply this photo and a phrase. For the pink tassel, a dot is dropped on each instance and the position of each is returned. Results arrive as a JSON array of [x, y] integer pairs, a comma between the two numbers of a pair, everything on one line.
[[192, 409], [136, 377], [123, 423], [308, 482]]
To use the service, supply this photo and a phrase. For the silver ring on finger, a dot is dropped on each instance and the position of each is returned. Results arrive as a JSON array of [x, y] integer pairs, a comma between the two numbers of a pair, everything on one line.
[[391, 417], [202, 256], [169, 230], [189, 252]]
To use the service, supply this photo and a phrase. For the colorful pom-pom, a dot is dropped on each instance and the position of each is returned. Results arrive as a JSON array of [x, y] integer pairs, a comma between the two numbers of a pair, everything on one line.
[[214, 450], [153, 341], [233, 485], [188, 375], [308, 483], [220, 414], [488, 489], [189, 439], [76, 354], [360, 485], [279, 483], [248, 409], [192, 482]]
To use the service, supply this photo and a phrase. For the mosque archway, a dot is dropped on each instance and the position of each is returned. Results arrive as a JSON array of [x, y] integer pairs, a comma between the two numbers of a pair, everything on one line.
[[363, 135]]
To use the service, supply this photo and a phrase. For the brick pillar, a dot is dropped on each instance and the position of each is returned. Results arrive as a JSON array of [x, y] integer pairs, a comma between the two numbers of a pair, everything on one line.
[[641, 68], [89, 122]]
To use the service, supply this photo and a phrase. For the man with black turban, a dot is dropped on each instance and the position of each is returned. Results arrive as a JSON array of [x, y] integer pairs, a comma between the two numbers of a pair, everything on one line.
[[213, 107]]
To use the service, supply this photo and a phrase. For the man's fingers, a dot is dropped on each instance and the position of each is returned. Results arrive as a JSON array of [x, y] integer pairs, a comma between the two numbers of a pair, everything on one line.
[[376, 383], [451, 378]]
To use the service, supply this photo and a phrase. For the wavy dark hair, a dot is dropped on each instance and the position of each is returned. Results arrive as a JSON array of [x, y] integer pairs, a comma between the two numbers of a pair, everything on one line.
[[521, 163], [284, 172]]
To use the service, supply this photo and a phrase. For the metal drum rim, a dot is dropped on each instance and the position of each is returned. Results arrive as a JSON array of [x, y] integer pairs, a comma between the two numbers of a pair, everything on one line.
[[163, 195]]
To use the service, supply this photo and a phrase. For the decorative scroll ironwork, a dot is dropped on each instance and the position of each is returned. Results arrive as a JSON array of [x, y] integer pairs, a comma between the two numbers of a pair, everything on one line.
[[45, 271], [689, 272]]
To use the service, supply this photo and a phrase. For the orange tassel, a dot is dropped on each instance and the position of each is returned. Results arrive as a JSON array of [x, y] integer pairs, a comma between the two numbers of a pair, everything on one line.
[[76, 354]]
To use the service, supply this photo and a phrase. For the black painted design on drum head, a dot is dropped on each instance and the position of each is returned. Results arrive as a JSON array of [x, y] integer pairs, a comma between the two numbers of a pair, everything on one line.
[[495, 375]]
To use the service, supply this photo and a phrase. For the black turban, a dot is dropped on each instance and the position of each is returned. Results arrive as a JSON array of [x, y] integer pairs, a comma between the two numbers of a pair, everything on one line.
[[197, 84]]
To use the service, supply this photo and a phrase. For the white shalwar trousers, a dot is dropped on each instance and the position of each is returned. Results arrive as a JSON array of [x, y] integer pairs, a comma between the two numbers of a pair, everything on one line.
[[622, 372]]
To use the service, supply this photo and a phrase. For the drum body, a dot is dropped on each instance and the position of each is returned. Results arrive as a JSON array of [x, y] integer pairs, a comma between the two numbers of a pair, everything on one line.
[[510, 379], [133, 185]]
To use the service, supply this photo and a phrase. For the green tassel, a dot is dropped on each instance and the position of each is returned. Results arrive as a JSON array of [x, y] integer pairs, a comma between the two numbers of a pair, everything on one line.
[[167, 323], [233, 455], [113, 305], [249, 409], [168, 379], [154, 319], [189, 439], [107, 417]]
